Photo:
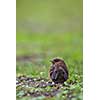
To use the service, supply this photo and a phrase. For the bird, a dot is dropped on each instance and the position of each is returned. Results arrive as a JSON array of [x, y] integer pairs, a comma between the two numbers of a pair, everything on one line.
[[58, 71]]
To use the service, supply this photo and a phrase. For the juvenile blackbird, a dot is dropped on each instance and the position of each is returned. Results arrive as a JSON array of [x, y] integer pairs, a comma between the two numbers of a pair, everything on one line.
[[58, 71]]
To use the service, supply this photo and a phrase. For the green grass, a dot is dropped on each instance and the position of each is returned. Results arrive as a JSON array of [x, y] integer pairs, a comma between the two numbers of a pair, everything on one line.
[[42, 48]]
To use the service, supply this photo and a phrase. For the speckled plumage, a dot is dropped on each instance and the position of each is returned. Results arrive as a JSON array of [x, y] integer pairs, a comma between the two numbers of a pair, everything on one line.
[[58, 71]]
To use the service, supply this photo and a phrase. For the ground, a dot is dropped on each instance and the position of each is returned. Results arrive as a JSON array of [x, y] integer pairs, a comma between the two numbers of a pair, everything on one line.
[[33, 52]]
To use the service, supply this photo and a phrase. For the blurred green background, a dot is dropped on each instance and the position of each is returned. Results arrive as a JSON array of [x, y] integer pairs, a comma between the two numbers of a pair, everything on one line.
[[49, 16], [47, 29]]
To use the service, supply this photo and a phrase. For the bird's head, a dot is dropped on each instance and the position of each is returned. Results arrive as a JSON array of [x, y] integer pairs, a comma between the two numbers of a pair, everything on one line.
[[55, 60]]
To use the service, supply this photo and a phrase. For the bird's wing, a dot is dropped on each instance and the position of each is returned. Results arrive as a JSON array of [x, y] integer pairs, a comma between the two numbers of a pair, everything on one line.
[[65, 73], [51, 70]]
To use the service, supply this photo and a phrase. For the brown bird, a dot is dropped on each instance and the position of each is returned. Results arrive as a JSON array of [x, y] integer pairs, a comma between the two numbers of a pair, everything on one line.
[[58, 71]]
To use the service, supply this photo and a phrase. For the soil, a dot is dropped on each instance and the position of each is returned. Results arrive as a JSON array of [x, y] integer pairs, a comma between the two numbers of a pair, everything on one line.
[[36, 87]]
